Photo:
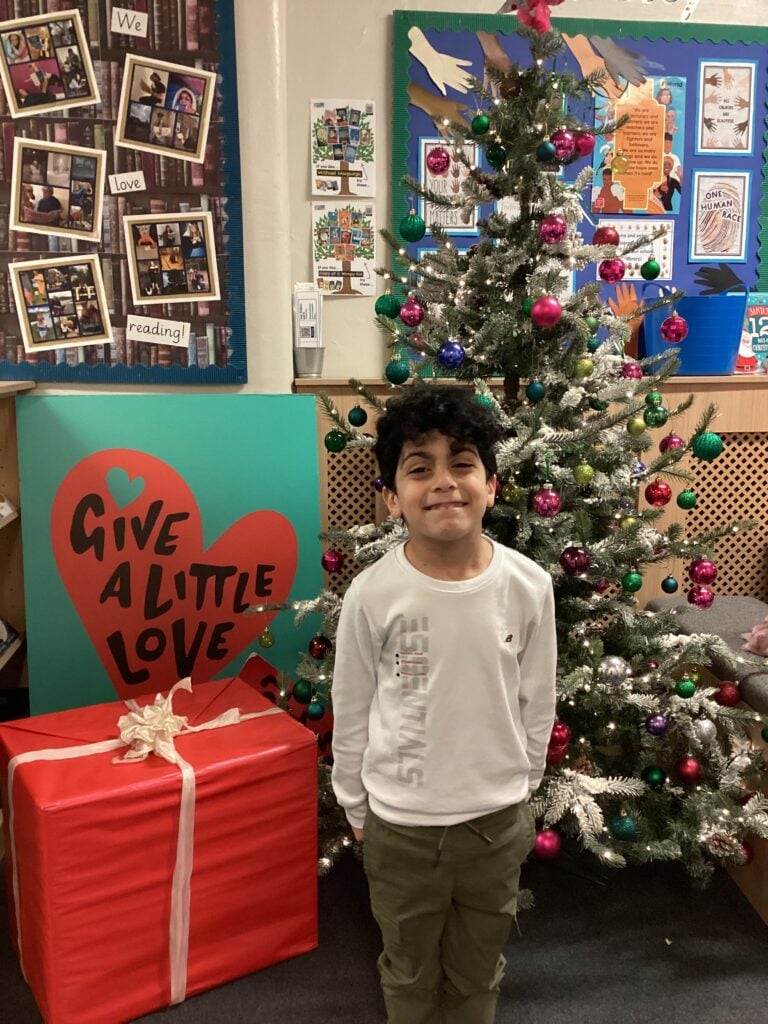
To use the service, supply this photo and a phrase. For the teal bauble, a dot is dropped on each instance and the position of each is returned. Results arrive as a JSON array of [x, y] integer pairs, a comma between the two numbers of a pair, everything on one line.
[[485, 400], [335, 441], [357, 416], [669, 585], [315, 710], [707, 446], [412, 227], [631, 581], [686, 499], [623, 827], [535, 391], [594, 344], [655, 415], [397, 371], [545, 152], [480, 124], [496, 155], [387, 305], [302, 691], [598, 404]]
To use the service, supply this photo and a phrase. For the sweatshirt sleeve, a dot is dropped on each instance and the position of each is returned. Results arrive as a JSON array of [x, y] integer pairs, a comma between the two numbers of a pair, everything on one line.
[[538, 664], [354, 686]]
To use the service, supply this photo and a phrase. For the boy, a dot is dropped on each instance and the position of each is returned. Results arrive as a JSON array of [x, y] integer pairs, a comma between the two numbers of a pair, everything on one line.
[[444, 696]]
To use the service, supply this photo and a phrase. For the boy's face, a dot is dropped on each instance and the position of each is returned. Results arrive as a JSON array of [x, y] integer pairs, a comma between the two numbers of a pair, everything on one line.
[[441, 489]]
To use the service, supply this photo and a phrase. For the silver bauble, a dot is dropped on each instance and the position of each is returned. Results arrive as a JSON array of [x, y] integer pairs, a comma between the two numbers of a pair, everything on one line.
[[612, 670], [705, 730]]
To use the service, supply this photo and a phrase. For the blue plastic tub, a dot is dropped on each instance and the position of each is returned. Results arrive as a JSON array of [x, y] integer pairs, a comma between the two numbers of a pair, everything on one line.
[[715, 323]]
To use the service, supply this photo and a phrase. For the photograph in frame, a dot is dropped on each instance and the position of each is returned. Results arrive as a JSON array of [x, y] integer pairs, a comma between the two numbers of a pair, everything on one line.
[[171, 257], [57, 189], [61, 303], [719, 216], [165, 108], [45, 64]]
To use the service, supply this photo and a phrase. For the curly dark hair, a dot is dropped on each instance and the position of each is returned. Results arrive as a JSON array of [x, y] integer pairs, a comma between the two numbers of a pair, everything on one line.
[[451, 410]]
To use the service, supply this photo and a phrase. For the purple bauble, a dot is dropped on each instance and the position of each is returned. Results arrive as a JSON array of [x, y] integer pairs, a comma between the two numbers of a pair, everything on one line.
[[411, 313], [612, 270], [450, 355], [657, 725], [564, 143], [546, 502], [639, 468], [438, 160], [674, 329], [332, 560], [583, 143], [703, 570], [631, 371], [378, 484], [701, 597], [672, 440], [546, 311], [553, 229], [574, 560]]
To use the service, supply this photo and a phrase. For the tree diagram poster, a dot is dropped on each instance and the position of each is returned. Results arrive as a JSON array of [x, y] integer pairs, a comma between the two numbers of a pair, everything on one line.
[[343, 145], [343, 236]]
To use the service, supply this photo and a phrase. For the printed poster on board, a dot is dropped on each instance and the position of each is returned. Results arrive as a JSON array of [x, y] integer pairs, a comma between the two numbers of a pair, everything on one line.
[[343, 147]]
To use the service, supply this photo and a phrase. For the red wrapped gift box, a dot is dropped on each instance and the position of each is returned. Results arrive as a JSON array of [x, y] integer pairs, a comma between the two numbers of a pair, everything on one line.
[[100, 905]]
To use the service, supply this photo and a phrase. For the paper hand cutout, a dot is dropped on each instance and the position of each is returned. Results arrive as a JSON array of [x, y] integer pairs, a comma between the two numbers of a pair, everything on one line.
[[620, 62], [715, 280], [443, 69]]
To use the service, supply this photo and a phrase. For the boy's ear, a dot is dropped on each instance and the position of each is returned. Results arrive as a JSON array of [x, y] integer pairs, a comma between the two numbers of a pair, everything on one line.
[[392, 503], [490, 494]]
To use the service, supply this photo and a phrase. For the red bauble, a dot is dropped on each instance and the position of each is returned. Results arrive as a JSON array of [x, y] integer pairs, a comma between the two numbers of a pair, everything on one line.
[[674, 329], [575, 561], [411, 313], [553, 229], [556, 755], [700, 596], [564, 143], [672, 440], [546, 311], [602, 585], [319, 646], [546, 502], [728, 695], [703, 570], [688, 769], [612, 270], [560, 735], [438, 160], [584, 143], [631, 371], [658, 493], [332, 560], [547, 844], [748, 850], [605, 235]]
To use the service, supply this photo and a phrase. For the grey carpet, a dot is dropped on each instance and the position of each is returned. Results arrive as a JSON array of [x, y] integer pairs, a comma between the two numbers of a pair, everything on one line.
[[635, 947]]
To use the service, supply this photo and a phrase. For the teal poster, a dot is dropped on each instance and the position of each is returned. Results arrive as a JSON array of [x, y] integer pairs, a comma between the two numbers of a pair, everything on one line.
[[156, 529]]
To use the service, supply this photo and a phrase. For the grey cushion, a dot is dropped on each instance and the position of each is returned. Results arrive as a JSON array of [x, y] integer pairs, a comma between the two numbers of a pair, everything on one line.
[[728, 618]]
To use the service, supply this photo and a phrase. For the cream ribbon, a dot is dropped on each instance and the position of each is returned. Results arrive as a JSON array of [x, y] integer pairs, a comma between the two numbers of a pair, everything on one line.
[[146, 730]]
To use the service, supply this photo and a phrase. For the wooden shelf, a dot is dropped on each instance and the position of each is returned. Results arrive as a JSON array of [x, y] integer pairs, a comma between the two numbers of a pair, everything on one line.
[[9, 652], [5, 520], [13, 387]]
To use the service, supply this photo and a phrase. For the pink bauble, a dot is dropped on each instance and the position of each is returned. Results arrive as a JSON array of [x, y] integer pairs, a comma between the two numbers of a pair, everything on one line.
[[672, 440], [702, 570], [700, 596], [438, 160], [575, 560], [658, 493], [584, 143], [631, 371], [674, 329], [332, 560], [546, 502], [546, 311], [602, 585], [553, 229], [605, 235], [547, 844], [416, 340], [688, 769], [612, 270], [411, 313], [748, 850], [563, 142]]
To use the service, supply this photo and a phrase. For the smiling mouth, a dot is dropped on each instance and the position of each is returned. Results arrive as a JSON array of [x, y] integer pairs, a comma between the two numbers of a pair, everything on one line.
[[445, 504]]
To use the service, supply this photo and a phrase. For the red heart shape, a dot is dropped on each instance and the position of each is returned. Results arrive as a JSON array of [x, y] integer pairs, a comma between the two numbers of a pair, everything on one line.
[[155, 602]]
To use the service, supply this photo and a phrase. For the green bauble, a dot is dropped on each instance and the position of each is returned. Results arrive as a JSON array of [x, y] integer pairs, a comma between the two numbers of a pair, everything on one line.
[[480, 124], [631, 581], [387, 305], [485, 400], [527, 306], [650, 270], [535, 391], [654, 777], [266, 638], [511, 493], [764, 733], [686, 499], [654, 398], [335, 441], [707, 446], [584, 367], [623, 827], [685, 687], [598, 404], [357, 416], [412, 227], [655, 415], [627, 522], [302, 691], [636, 426], [397, 371], [583, 474], [594, 344], [496, 155], [592, 323]]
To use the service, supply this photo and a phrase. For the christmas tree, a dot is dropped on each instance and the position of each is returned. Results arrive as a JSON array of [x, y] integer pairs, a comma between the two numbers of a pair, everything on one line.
[[646, 762]]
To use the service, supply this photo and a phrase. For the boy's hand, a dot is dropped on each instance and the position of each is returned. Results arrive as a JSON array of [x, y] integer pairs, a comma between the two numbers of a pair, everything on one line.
[[358, 834]]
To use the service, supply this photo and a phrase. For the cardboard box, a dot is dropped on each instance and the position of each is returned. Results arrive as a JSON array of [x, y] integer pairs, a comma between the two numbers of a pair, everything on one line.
[[93, 895]]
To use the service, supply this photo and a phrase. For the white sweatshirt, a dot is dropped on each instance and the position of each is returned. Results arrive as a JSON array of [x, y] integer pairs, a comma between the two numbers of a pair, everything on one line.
[[443, 692]]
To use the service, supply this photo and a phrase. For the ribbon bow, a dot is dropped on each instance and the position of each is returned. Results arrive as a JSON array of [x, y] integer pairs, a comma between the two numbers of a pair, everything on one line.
[[533, 13]]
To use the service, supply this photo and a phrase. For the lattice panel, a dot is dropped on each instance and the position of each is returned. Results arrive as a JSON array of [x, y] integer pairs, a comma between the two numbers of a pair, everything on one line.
[[733, 487], [351, 500]]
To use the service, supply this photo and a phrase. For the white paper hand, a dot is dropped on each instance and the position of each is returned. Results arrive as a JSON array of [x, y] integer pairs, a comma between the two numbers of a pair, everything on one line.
[[443, 69]]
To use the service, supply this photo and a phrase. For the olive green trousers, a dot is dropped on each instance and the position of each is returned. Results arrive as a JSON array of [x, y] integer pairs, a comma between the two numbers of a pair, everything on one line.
[[445, 899]]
